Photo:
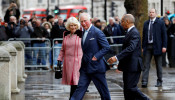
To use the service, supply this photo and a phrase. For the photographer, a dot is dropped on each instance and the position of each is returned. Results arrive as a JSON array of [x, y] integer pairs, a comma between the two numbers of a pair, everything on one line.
[[12, 11], [24, 30], [10, 27]]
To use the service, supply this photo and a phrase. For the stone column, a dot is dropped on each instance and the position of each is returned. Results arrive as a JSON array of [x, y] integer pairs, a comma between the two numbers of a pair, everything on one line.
[[13, 67], [5, 76], [23, 60], [19, 62], [20, 56]]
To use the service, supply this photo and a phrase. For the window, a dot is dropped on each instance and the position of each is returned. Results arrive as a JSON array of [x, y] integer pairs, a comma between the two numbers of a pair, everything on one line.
[[77, 10], [52, 1], [63, 11], [39, 1], [40, 12], [27, 12]]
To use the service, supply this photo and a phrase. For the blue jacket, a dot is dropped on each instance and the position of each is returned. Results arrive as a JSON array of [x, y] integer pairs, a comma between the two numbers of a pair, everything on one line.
[[94, 45], [130, 57], [159, 36]]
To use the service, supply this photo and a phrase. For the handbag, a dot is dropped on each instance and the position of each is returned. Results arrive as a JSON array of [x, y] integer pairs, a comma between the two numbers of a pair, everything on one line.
[[58, 72]]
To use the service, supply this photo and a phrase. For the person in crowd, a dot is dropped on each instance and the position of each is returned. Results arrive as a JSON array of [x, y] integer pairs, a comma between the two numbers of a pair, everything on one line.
[[117, 20], [71, 53], [94, 20], [25, 31], [93, 65], [48, 27], [57, 32], [3, 34], [113, 29], [12, 11], [167, 25], [43, 19], [11, 26], [98, 24], [103, 24], [50, 19], [131, 53], [154, 43], [171, 35], [39, 55], [33, 22], [79, 12]]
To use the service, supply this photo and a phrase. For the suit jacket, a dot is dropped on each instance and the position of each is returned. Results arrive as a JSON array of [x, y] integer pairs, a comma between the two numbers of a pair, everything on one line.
[[159, 36], [130, 57], [95, 45]]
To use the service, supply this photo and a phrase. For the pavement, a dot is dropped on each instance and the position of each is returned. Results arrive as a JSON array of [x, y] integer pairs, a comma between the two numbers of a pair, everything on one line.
[[43, 86]]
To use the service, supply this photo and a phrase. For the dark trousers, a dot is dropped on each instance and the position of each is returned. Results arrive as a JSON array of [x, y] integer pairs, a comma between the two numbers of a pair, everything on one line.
[[72, 89], [98, 79], [131, 91], [147, 61]]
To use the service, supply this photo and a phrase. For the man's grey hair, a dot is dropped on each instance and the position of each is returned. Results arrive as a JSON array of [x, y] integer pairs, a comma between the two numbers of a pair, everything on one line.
[[85, 14], [12, 17], [129, 17], [111, 18]]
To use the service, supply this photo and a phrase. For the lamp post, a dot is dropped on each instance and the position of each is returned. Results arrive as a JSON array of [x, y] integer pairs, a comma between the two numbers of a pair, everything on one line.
[[47, 7], [105, 13], [161, 7], [92, 8]]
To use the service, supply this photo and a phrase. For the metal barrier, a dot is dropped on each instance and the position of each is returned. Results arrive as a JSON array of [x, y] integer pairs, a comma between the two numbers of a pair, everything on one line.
[[114, 50], [36, 54], [56, 47], [32, 53]]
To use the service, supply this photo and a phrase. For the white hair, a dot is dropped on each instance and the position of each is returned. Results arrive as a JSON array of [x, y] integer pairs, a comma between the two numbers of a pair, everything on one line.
[[72, 20], [85, 14], [112, 19]]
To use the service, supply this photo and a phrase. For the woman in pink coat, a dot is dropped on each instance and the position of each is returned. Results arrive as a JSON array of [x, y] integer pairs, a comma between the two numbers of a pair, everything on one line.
[[71, 54]]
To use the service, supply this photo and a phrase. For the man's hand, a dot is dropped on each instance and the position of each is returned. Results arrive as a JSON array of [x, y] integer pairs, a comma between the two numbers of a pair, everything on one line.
[[112, 60], [163, 50], [94, 59]]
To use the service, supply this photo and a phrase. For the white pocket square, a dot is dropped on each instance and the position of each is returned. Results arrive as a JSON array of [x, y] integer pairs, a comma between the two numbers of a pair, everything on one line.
[[91, 38]]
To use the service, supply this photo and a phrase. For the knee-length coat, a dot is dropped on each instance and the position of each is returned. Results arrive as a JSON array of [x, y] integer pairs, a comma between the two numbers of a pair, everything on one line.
[[71, 52]]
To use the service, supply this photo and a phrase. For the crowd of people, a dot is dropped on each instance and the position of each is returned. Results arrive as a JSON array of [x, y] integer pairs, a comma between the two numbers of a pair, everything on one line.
[[50, 27]]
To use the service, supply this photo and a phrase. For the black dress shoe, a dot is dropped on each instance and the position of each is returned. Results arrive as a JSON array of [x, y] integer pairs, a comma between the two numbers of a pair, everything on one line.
[[159, 84]]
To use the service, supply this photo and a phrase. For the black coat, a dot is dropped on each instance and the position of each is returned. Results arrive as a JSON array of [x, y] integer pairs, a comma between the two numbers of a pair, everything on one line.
[[130, 56], [159, 36]]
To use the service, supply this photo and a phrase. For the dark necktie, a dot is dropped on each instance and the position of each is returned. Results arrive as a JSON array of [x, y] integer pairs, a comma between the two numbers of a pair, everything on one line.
[[151, 31]]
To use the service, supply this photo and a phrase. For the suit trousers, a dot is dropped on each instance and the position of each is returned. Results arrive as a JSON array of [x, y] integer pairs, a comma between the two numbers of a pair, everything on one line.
[[131, 91], [98, 79], [147, 62]]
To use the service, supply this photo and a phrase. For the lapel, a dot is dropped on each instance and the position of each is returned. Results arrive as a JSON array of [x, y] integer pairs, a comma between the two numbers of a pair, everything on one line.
[[82, 39], [89, 35], [128, 34]]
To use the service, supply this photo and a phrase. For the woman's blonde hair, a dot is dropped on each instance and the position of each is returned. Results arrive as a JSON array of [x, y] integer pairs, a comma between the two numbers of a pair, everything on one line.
[[72, 20]]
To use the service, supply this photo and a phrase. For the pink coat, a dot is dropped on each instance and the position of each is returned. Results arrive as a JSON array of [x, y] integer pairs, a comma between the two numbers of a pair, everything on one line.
[[71, 52]]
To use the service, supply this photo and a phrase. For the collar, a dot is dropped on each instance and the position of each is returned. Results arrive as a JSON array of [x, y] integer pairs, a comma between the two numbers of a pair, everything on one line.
[[88, 28], [130, 28], [153, 19]]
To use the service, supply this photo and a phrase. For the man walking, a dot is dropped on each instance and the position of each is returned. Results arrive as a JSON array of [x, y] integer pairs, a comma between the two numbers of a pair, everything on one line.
[[93, 66], [130, 60], [154, 43]]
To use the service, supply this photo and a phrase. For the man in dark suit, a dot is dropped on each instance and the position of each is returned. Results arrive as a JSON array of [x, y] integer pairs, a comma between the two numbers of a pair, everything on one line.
[[130, 61], [93, 65], [154, 43]]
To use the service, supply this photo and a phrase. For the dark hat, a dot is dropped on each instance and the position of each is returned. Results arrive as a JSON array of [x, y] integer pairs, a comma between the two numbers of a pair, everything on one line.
[[49, 17]]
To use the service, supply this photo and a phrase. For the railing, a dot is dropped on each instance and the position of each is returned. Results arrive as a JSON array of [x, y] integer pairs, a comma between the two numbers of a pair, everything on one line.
[[30, 51]]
